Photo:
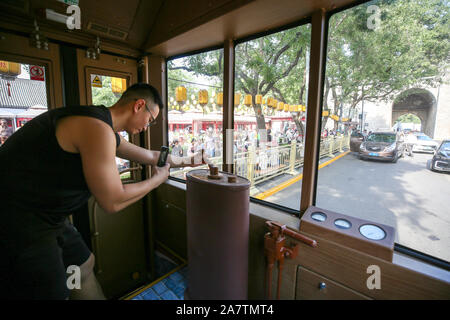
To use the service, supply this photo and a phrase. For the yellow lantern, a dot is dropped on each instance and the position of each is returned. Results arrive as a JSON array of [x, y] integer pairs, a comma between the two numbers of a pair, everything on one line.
[[291, 108], [237, 99], [10, 68], [269, 101], [304, 108], [264, 101], [180, 94], [118, 85], [258, 99], [325, 113], [248, 100], [220, 99], [203, 97], [286, 107], [297, 108]]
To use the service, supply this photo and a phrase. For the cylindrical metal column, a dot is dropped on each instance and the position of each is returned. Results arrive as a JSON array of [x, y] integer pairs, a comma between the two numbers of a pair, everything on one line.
[[218, 232]]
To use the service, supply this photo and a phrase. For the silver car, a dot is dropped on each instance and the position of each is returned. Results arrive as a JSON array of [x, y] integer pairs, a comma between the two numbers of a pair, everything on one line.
[[424, 144]]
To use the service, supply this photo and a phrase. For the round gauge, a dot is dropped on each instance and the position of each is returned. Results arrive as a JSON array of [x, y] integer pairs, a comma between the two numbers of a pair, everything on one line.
[[342, 224], [319, 216], [372, 232]]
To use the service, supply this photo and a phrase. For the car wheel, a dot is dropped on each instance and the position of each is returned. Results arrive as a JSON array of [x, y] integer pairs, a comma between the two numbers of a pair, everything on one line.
[[395, 158]]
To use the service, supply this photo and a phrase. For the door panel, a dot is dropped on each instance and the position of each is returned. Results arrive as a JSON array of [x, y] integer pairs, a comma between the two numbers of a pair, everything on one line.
[[118, 240]]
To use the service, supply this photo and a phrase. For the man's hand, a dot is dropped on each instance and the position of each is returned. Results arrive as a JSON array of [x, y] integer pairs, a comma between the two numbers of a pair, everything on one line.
[[160, 174], [199, 158]]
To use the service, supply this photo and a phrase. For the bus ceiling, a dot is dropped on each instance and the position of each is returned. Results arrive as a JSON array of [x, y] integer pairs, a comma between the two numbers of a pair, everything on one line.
[[164, 28]]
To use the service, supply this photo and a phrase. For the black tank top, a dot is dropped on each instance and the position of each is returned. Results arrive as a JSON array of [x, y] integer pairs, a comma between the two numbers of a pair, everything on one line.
[[40, 183]]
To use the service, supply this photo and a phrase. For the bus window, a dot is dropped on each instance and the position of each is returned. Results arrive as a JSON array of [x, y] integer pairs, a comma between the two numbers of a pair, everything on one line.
[[195, 107], [107, 90], [23, 95], [385, 60], [270, 114]]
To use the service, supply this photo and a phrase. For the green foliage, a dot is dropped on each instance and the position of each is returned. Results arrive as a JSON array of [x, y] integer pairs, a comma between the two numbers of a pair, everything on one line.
[[409, 118], [409, 48], [104, 95]]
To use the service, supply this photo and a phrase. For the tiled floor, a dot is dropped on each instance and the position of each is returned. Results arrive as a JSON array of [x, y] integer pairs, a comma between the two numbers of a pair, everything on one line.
[[169, 288]]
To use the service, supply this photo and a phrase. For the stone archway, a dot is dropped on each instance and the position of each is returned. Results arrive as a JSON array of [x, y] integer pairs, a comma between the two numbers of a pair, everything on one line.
[[419, 102]]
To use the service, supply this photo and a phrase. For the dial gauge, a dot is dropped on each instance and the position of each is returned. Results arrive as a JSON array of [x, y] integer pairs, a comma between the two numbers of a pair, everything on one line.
[[342, 224], [319, 216], [372, 232]]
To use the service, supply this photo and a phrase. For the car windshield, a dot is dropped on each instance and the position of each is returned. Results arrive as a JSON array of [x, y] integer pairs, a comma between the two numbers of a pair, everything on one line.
[[445, 146], [375, 137], [426, 138]]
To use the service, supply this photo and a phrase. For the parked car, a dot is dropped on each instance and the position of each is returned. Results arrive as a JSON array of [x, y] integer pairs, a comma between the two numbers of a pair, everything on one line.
[[356, 139], [382, 146], [424, 143], [441, 158]]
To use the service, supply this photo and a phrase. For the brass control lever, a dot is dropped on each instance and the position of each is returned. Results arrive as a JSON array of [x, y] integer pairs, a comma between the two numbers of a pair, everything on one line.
[[275, 249]]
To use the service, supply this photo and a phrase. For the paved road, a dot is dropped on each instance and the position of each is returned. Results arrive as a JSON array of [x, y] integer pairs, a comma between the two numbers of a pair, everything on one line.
[[405, 195]]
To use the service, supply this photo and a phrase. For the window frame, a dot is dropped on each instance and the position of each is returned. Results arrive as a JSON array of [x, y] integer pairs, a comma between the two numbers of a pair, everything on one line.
[[315, 126]]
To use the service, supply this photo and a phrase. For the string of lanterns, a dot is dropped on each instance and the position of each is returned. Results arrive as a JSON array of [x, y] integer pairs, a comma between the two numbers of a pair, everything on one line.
[[268, 106]]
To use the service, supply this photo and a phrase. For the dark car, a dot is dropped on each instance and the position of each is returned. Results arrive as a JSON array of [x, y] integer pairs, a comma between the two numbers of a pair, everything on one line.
[[382, 146], [441, 158], [355, 141]]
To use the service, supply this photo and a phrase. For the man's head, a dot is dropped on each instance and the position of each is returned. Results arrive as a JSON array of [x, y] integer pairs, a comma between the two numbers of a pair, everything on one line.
[[144, 103]]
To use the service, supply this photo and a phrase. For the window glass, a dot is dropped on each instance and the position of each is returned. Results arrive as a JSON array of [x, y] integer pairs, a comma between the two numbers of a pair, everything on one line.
[[106, 91], [386, 73], [195, 107], [269, 114], [23, 95]]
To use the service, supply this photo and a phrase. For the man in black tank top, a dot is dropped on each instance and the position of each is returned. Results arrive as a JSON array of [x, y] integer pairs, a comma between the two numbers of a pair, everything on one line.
[[49, 168]]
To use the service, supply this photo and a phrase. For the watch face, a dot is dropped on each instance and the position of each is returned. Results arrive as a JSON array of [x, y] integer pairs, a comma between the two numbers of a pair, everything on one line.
[[372, 232], [342, 224], [319, 216]]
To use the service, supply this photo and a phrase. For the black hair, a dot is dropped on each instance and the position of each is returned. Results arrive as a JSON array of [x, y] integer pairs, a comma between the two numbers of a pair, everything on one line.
[[143, 91]]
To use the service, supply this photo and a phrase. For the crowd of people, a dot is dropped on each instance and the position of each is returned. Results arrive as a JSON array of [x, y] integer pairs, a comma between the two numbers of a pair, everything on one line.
[[182, 142], [5, 130]]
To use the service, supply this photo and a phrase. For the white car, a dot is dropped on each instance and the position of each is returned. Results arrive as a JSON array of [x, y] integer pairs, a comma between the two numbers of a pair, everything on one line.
[[424, 143]]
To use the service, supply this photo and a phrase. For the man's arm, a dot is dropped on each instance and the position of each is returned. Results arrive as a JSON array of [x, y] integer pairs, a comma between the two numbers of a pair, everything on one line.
[[96, 144], [129, 151]]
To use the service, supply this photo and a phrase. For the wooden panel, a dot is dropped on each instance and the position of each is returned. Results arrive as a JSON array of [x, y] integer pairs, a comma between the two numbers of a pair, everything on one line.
[[308, 288], [109, 64], [349, 268], [157, 78], [118, 246], [17, 48], [170, 227]]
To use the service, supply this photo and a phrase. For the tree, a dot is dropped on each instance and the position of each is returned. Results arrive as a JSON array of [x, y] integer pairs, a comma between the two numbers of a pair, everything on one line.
[[410, 47]]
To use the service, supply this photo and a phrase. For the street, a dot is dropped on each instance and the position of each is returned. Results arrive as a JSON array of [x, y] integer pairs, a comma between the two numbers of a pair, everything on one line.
[[405, 195]]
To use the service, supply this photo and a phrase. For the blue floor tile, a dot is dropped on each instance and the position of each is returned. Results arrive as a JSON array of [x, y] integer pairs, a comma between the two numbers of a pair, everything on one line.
[[170, 283], [176, 277], [149, 294], [179, 291], [159, 288]]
